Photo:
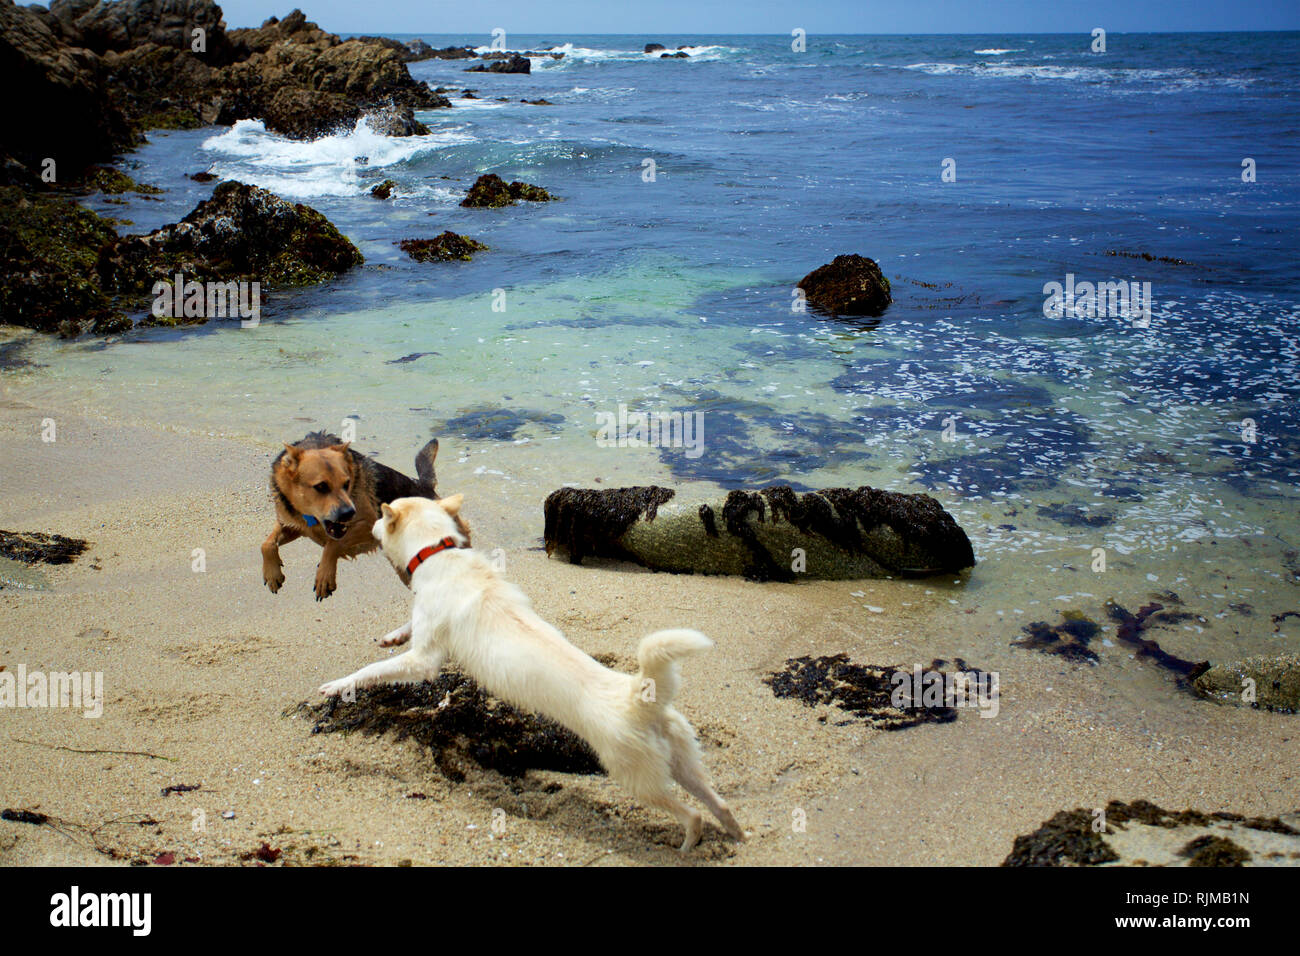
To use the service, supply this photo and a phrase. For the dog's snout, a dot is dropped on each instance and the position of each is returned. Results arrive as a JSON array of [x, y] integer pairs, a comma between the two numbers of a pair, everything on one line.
[[345, 513]]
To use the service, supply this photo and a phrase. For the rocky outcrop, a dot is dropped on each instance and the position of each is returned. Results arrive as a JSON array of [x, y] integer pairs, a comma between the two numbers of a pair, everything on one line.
[[654, 47], [304, 114], [68, 271], [848, 285], [513, 64], [491, 191], [1143, 834], [241, 232], [96, 75], [50, 248], [443, 248], [1270, 683], [56, 105], [124, 24], [383, 190], [679, 55], [773, 534]]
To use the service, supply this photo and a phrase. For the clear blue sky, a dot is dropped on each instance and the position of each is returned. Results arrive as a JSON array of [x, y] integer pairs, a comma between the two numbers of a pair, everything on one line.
[[671, 17]]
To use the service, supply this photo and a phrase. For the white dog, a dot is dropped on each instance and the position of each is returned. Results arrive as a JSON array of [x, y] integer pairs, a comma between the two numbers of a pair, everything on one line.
[[465, 610]]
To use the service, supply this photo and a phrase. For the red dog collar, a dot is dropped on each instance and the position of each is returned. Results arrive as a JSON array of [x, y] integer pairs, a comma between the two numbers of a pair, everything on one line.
[[424, 554]]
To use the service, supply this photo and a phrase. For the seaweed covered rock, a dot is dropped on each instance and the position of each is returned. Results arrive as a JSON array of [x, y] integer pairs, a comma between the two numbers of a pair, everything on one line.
[[773, 534], [50, 247], [240, 232], [848, 285], [1271, 683], [443, 248], [1143, 834], [491, 191]]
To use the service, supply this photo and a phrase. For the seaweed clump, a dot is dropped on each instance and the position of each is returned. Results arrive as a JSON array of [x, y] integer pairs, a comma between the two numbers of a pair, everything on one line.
[[839, 515], [443, 248], [865, 691], [456, 719], [1067, 838], [1069, 639], [1130, 631], [584, 521], [1210, 850], [30, 547]]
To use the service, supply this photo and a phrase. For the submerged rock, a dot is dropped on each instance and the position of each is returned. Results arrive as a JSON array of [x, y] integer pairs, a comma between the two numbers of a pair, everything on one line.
[[441, 248], [1143, 834], [773, 534], [491, 191], [1276, 683], [848, 285]]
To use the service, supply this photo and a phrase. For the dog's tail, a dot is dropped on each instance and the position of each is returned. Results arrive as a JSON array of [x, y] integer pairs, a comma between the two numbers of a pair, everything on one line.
[[658, 654], [424, 468]]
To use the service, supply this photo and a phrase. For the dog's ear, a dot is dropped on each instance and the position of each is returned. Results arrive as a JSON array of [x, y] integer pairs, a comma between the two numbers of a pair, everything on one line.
[[452, 505], [292, 453], [389, 514], [341, 449]]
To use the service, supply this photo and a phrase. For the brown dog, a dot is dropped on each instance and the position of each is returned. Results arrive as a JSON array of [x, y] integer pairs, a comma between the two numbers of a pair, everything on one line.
[[326, 491]]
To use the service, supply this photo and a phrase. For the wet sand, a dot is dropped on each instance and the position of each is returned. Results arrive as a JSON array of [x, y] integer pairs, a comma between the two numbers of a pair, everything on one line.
[[202, 668]]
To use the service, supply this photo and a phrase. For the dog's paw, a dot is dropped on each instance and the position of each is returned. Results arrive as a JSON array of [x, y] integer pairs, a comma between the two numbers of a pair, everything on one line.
[[273, 577], [325, 585], [395, 638], [343, 685]]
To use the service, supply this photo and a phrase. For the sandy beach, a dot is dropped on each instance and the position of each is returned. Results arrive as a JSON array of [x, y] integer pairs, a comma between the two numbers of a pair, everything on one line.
[[200, 670]]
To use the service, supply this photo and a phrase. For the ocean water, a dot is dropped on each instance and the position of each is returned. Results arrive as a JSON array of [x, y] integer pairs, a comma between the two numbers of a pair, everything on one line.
[[1173, 443]]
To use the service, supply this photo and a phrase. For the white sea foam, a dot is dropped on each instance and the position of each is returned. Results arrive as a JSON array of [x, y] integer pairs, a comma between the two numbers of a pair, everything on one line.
[[997, 52], [343, 164]]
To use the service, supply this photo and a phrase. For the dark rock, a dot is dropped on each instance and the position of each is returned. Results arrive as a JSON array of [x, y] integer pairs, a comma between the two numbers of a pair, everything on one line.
[[491, 191], [654, 47], [49, 248], [306, 114], [397, 121], [443, 248], [240, 232], [515, 64], [202, 177], [848, 285], [453, 53], [57, 103], [383, 190], [125, 24], [679, 55], [843, 533], [538, 102]]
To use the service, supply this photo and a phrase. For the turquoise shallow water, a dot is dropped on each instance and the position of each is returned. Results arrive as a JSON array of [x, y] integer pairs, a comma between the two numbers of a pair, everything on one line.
[[1068, 434]]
